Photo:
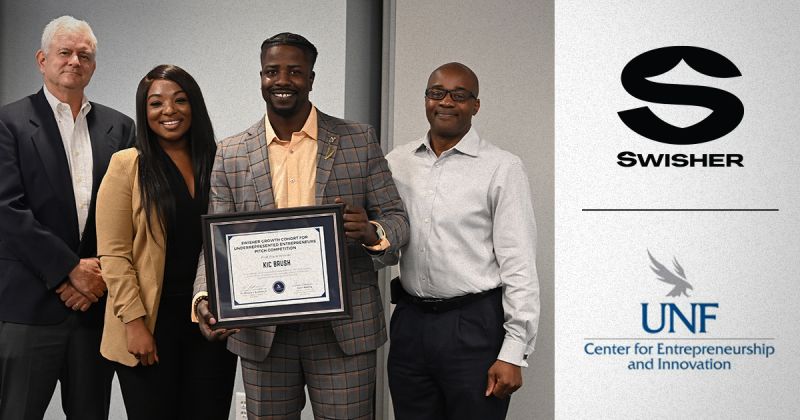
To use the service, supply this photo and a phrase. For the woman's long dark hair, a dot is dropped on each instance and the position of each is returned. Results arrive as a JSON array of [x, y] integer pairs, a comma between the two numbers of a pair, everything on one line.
[[154, 187]]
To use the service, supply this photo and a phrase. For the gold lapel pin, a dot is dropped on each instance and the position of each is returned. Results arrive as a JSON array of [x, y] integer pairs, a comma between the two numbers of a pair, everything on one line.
[[330, 151]]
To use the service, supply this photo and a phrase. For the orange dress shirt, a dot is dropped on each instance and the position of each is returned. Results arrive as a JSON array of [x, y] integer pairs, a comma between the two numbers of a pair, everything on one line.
[[293, 164]]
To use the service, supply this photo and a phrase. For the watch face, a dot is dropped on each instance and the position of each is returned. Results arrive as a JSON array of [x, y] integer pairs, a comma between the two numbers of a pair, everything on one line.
[[379, 231]]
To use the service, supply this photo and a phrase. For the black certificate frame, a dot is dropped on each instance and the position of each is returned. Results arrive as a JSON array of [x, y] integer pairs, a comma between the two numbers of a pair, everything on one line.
[[222, 231]]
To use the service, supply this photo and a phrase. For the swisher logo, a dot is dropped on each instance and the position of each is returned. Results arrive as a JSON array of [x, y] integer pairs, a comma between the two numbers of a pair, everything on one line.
[[689, 317], [727, 110]]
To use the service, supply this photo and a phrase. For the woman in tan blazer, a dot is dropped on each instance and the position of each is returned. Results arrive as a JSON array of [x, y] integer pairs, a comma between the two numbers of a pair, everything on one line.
[[149, 239]]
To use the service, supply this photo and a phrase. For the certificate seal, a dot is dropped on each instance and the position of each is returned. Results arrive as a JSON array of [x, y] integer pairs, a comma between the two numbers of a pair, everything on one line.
[[278, 286]]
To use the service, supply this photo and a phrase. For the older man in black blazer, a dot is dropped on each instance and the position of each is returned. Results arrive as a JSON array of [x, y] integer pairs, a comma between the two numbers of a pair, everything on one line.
[[54, 149]]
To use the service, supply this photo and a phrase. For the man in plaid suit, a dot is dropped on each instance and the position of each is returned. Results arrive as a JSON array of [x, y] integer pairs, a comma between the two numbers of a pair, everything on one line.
[[299, 156]]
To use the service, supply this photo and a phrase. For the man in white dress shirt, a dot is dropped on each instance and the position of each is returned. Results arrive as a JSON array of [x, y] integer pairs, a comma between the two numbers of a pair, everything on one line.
[[54, 150], [468, 299]]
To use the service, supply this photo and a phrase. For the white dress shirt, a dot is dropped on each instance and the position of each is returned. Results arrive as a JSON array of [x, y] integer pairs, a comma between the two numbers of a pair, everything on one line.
[[75, 135], [472, 230]]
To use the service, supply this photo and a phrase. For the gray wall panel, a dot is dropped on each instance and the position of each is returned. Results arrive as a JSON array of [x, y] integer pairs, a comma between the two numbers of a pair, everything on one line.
[[509, 45]]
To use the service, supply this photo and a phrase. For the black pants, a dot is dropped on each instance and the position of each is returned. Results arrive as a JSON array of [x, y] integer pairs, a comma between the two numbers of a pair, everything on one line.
[[193, 379], [34, 357], [438, 362]]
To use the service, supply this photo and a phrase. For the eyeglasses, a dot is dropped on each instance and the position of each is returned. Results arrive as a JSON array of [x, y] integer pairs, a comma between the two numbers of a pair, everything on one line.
[[458, 95]]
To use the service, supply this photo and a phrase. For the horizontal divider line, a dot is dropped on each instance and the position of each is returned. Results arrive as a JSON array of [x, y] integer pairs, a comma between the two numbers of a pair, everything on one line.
[[681, 339], [711, 210]]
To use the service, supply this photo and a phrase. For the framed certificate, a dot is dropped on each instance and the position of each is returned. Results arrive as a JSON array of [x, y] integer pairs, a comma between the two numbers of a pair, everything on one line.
[[277, 266]]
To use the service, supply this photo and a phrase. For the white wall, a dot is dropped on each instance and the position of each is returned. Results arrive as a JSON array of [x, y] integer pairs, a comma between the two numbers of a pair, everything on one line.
[[217, 42], [509, 45]]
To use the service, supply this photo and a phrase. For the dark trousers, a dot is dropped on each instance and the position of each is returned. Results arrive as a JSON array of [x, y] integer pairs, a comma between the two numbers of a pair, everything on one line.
[[34, 357], [438, 362], [193, 379]]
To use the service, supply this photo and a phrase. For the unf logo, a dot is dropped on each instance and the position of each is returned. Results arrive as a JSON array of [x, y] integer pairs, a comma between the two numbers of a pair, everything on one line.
[[727, 109], [693, 317]]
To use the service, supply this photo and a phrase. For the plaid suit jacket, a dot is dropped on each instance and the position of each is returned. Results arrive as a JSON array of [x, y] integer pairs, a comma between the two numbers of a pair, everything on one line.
[[358, 173]]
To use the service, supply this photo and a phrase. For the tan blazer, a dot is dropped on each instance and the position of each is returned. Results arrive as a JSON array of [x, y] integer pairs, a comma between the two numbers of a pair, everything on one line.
[[131, 256]]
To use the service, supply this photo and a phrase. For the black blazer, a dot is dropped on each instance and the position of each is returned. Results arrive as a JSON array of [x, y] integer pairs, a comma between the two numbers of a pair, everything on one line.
[[39, 243]]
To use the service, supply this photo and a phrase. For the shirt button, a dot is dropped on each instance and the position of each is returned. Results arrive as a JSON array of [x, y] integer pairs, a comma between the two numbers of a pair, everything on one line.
[[427, 220], [291, 150], [437, 164], [291, 180], [422, 250]]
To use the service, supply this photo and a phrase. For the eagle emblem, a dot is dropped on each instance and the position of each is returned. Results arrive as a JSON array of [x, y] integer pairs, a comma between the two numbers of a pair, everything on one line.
[[677, 278]]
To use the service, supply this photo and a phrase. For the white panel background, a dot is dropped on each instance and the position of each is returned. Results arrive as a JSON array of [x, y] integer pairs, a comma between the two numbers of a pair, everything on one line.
[[744, 261]]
